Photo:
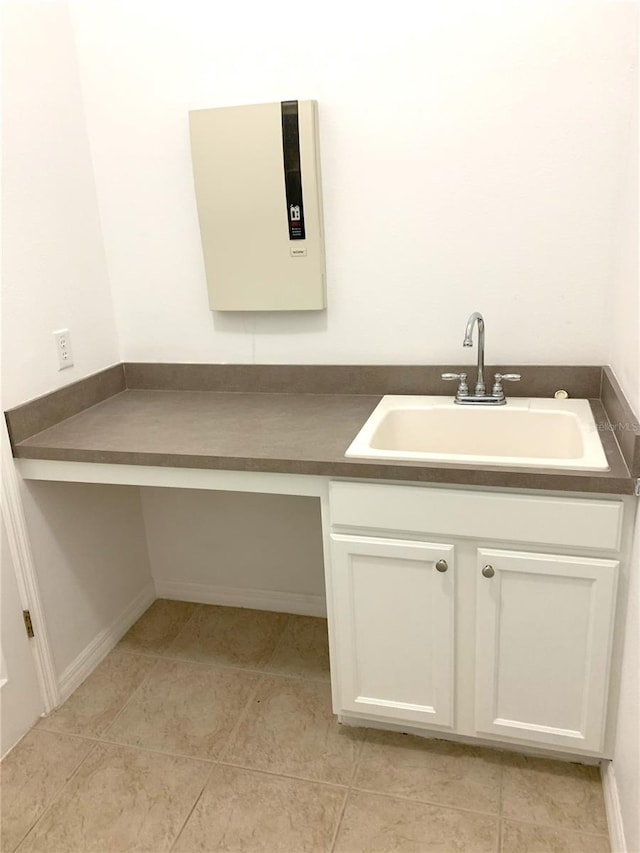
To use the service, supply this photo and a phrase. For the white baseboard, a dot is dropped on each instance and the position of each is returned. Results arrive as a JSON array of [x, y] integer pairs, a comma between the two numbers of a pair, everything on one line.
[[103, 642], [612, 808], [256, 599]]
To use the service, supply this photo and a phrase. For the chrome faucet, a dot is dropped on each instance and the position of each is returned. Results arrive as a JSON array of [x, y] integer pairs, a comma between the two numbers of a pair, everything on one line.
[[480, 396], [477, 317]]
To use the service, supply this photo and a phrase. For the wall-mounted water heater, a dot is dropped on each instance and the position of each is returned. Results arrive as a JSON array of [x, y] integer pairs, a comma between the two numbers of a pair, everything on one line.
[[257, 180]]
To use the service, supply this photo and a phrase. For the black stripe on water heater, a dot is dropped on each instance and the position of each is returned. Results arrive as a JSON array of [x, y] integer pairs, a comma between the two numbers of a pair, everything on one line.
[[292, 172]]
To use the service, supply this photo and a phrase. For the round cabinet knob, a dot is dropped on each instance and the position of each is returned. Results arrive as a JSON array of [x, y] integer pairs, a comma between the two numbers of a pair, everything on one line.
[[442, 565], [488, 571]]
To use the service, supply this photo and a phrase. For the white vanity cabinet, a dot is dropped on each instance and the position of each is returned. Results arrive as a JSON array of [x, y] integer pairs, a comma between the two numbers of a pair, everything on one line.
[[479, 613]]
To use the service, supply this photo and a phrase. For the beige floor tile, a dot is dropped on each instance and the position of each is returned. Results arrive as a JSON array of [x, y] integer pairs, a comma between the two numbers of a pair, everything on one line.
[[120, 801], [413, 795], [184, 707], [432, 771], [245, 811], [94, 705], [553, 793], [376, 824], [158, 627], [532, 838], [230, 636], [303, 649], [33, 773], [290, 729]]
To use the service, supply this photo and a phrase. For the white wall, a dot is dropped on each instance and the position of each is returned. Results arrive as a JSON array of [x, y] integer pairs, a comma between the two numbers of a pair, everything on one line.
[[88, 544], [623, 326], [257, 550], [472, 159], [90, 553], [624, 357], [54, 266]]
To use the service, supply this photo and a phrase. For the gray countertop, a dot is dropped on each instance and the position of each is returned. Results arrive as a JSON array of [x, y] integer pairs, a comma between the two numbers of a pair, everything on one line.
[[295, 433]]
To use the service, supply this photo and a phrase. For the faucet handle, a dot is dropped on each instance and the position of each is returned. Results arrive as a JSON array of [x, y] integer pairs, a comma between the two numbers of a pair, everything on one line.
[[497, 390], [463, 388]]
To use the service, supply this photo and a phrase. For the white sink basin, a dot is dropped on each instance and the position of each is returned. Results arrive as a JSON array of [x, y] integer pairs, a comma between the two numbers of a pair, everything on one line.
[[533, 432]]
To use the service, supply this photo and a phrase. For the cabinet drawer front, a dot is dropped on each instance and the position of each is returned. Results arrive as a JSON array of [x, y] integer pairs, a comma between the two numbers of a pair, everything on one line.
[[544, 624], [567, 522]]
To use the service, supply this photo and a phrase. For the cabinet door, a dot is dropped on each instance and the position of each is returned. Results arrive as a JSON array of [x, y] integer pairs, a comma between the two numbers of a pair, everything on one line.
[[393, 628], [543, 632]]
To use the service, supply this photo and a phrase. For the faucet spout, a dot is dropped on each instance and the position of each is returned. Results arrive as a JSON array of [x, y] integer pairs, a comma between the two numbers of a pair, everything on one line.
[[477, 318], [480, 396]]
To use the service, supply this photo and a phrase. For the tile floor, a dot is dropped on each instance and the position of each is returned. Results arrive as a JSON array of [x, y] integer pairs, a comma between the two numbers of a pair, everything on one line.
[[210, 729]]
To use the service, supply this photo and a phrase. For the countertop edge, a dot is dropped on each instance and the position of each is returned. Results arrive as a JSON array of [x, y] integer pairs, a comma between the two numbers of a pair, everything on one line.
[[512, 478]]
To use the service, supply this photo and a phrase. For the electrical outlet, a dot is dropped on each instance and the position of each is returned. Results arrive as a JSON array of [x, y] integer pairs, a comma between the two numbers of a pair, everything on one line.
[[63, 348]]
